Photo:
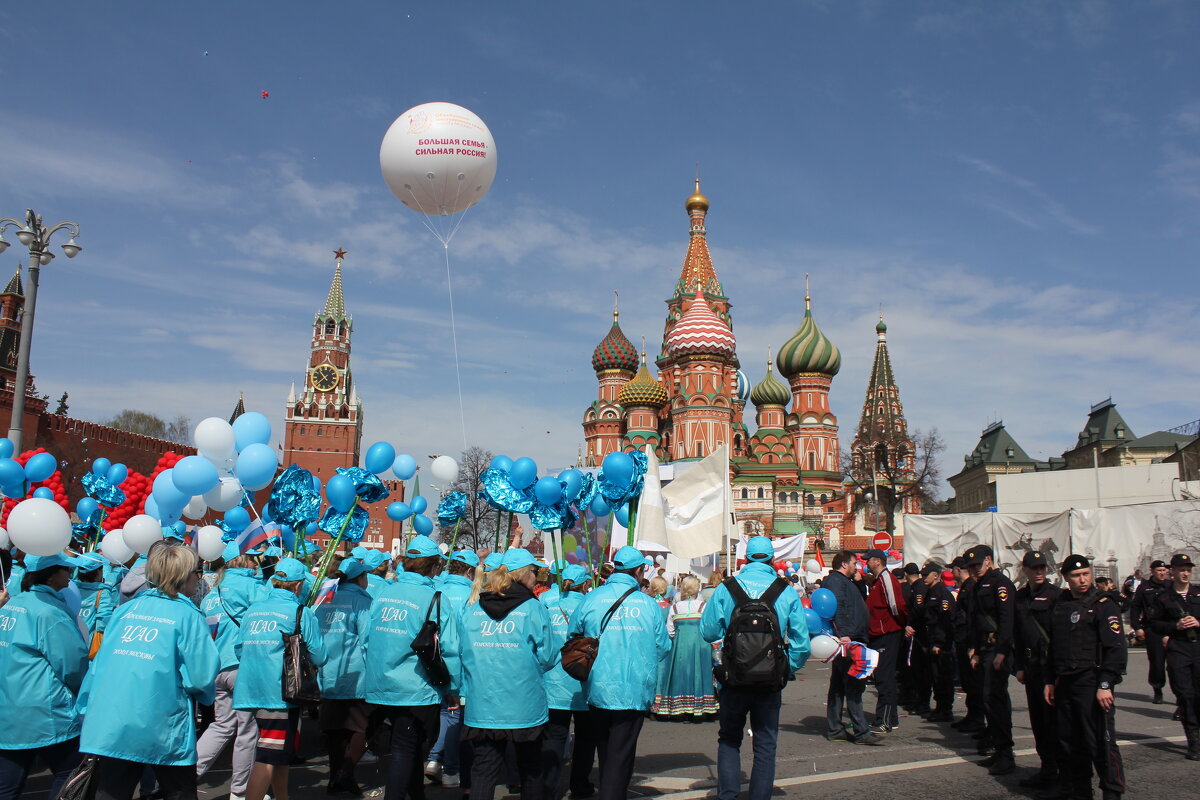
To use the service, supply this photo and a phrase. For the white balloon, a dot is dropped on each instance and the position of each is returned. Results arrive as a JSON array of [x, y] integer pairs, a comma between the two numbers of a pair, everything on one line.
[[5, 542], [823, 647], [438, 158], [208, 542], [114, 548], [445, 469], [214, 439], [196, 508], [226, 495], [445, 548], [812, 565], [39, 526], [141, 532]]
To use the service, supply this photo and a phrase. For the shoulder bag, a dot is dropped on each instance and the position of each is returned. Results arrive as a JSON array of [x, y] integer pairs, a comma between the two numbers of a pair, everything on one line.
[[300, 681], [428, 645], [579, 653]]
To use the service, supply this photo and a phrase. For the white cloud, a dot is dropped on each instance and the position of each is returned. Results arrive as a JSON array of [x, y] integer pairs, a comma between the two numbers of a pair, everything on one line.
[[1043, 209]]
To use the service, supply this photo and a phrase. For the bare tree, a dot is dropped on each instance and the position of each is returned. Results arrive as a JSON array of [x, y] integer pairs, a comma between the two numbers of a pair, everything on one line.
[[479, 525], [901, 476], [152, 425]]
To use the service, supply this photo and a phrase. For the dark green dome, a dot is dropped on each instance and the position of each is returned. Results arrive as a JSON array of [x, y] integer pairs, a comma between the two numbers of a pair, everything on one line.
[[809, 350], [769, 391]]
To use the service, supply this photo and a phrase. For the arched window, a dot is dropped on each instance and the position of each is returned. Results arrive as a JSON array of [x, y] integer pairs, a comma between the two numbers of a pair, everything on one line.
[[745, 493], [303, 430], [329, 328], [824, 499], [812, 461], [321, 431], [760, 493]]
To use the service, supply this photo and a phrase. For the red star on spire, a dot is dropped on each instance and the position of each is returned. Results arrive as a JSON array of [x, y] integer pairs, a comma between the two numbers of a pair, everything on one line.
[[339, 254]]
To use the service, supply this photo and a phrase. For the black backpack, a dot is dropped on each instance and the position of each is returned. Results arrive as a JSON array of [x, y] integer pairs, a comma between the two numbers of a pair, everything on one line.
[[754, 655]]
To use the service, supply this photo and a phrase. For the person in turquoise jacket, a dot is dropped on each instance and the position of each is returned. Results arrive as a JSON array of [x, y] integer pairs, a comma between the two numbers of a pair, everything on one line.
[[377, 563], [396, 680], [237, 589], [97, 599], [621, 687], [738, 703], [345, 621], [552, 593], [157, 662], [442, 765], [492, 561], [566, 696], [43, 660], [507, 632]]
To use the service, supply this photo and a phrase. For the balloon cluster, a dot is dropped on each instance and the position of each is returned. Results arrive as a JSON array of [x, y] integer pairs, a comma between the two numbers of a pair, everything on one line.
[[345, 518], [34, 472], [382, 456], [820, 616], [787, 569]]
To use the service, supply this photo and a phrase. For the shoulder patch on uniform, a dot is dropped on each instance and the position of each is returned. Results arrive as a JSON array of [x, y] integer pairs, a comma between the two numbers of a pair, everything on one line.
[[1114, 624], [1002, 592]]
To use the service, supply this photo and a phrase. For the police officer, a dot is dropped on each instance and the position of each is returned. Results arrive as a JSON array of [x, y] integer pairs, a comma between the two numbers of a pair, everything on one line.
[[1140, 607], [973, 721], [1034, 602], [913, 673], [991, 642], [1176, 614], [1087, 657], [935, 634]]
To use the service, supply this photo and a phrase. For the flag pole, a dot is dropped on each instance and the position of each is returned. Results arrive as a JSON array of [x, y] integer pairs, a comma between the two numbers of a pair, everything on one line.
[[726, 514]]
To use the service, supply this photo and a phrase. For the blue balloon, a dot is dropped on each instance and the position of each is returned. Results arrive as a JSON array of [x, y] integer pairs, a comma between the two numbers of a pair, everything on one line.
[[117, 474], [165, 492], [523, 473], [40, 467], [86, 507], [151, 507], [618, 469], [600, 506], [340, 492], [622, 515], [237, 518], [11, 473], [548, 490], [100, 466], [422, 524], [502, 463], [814, 622], [256, 465], [169, 517], [827, 627], [824, 602], [194, 475], [6, 448], [399, 511], [265, 514], [419, 504], [16, 491], [404, 467], [251, 428], [44, 493], [310, 528], [380, 458], [574, 480], [180, 527]]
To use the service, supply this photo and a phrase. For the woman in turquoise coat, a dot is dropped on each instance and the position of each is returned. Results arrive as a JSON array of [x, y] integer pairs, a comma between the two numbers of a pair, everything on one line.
[[97, 598], [43, 660], [566, 697], [139, 701]]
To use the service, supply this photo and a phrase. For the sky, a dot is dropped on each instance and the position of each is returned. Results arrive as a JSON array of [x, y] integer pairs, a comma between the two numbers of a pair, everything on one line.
[[1016, 185]]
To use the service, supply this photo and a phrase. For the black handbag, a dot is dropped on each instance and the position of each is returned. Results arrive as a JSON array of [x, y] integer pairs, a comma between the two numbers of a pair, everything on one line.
[[428, 645], [300, 681], [81, 785]]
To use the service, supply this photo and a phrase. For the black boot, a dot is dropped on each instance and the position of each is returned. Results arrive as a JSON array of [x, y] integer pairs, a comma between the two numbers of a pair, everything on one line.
[[1044, 778], [1193, 743], [1157, 696], [1005, 763]]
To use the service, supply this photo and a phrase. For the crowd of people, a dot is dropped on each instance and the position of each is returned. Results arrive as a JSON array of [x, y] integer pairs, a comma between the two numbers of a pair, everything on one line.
[[478, 673]]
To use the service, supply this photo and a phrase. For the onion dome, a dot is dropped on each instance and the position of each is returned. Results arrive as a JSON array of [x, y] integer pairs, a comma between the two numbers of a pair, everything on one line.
[[643, 390], [700, 332], [615, 351], [743, 386], [769, 391], [697, 200], [808, 350], [881, 327]]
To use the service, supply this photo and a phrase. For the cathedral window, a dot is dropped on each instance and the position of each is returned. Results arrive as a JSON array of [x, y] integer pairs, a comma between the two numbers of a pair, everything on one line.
[[824, 499], [329, 328], [812, 461], [760, 493], [745, 493]]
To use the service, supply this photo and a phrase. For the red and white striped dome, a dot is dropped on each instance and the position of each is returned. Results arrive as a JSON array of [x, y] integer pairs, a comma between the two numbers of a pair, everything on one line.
[[700, 332]]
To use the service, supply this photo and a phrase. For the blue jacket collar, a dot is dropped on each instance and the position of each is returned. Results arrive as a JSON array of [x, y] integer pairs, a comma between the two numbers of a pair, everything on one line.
[[48, 595], [413, 579], [758, 568], [283, 594], [460, 579], [353, 588], [621, 579]]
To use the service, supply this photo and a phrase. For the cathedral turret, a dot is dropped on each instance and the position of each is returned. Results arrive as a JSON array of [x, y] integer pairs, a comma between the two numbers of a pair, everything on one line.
[[614, 361]]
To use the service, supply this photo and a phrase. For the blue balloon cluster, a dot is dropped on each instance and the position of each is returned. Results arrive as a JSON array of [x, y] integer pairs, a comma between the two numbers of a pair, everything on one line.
[[346, 492], [820, 616]]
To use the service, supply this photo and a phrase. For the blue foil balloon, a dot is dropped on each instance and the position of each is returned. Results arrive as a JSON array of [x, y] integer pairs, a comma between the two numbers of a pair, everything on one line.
[[380, 457], [334, 522], [452, 508], [294, 502], [104, 492]]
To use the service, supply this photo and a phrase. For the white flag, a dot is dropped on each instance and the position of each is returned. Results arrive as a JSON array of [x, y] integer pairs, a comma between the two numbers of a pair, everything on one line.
[[649, 525], [694, 507]]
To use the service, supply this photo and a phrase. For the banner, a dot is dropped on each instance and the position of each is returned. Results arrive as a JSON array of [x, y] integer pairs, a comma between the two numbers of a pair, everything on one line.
[[694, 507]]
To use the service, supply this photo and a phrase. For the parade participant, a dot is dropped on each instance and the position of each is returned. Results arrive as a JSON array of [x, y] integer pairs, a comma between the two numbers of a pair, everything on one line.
[[850, 623], [937, 636], [658, 592], [710, 585], [157, 660], [1176, 614], [97, 599], [1087, 658], [968, 677], [567, 700], [1034, 602], [395, 678], [685, 688], [553, 590], [620, 689], [345, 621], [377, 563], [885, 603], [236, 589], [991, 643], [43, 660], [913, 675], [757, 580], [506, 633], [1145, 598], [15, 574], [259, 687], [442, 765]]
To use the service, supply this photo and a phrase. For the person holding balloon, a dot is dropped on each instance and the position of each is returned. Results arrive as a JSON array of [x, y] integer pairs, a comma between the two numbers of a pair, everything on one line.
[[846, 612]]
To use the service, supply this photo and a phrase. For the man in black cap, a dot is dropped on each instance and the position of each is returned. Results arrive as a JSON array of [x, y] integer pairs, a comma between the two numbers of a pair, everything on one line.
[[969, 678], [1087, 657], [1176, 614], [933, 637], [1034, 602], [1144, 598], [912, 672], [991, 640]]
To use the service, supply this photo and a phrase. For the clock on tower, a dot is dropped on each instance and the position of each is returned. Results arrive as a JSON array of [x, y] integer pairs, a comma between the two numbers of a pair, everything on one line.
[[324, 378]]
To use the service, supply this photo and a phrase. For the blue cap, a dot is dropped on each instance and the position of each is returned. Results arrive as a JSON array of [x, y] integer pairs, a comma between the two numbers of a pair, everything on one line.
[[467, 557], [629, 557], [759, 548], [575, 573], [39, 563], [421, 546], [170, 533], [518, 557], [558, 566], [307, 548], [492, 561], [359, 552], [231, 552], [374, 559], [352, 567], [91, 561], [274, 551], [289, 569]]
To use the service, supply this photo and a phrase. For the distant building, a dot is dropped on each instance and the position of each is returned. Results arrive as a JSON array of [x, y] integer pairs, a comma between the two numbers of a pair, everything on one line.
[[997, 453]]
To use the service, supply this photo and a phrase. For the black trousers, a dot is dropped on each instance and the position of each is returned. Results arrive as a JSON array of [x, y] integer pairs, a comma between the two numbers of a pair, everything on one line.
[[1087, 736], [889, 646], [488, 767], [968, 678], [616, 735], [1156, 654], [920, 673], [414, 731], [1043, 719], [997, 706], [116, 779], [1183, 668], [941, 674], [554, 752]]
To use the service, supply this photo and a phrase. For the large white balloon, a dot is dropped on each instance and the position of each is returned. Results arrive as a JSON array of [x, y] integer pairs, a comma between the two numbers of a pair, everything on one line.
[[225, 496], [208, 542], [214, 439], [445, 469], [823, 647], [438, 158], [141, 532], [196, 507], [114, 548], [39, 526]]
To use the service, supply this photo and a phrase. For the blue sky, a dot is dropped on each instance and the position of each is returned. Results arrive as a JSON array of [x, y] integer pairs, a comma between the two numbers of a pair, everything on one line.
[[1018, 184]]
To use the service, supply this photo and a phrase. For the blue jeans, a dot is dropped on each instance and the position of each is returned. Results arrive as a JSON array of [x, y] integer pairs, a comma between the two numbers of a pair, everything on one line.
[[445, 750], [763, 709], [61, 759]]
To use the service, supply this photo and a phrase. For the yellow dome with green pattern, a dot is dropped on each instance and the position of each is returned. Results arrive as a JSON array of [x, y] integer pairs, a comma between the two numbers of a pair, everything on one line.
[[642, 390]]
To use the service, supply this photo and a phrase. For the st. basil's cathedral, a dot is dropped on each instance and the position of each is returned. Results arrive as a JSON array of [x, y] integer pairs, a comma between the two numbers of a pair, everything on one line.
[[787, 475]]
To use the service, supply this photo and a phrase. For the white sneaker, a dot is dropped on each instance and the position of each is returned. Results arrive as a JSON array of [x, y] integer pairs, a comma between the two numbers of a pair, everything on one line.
[[451, 781], [433, 771]]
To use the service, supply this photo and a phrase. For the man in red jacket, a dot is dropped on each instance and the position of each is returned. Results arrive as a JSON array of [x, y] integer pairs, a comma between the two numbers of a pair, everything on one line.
[[889, 615]]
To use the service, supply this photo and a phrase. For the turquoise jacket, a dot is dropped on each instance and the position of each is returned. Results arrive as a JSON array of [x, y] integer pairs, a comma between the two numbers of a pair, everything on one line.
[[259, 648], [456, 589], [14, 580], [755, 578], [157, 661], [97, 603], [625, 674], [345, 621], [376, 584], [42, 663], [562, 691], [113, 573], [506, 650], [551, 595], [228, 601], [394, 675]]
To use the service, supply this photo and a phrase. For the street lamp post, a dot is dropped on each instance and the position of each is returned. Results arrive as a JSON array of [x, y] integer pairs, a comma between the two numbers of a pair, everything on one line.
[[36, 237]]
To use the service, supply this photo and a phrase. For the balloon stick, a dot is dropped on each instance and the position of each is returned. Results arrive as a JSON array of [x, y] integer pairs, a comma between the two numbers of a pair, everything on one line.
[[588, 546], [633, 508], [499, 517], [454, 538], [556, 546]]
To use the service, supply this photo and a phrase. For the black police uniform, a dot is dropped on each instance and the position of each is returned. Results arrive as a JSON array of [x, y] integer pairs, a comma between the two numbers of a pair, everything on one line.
[[1140, 607], [1034, 604], [1183, 656], [993, 603], [1088, 652], [967, 676], [916, 666], [938, 612]]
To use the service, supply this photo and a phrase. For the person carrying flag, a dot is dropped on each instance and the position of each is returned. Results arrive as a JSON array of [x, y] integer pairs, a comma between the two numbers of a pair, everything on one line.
[[849, 625]]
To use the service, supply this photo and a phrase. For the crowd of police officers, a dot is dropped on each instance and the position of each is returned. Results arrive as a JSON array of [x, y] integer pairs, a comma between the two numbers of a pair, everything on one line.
[[1065, 644]]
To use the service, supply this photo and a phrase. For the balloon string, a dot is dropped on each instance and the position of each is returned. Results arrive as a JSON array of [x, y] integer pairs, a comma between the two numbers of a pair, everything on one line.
[[462, 414]]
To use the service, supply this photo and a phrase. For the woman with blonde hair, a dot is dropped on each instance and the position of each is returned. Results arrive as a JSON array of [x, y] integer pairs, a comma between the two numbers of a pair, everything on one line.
[[710, 586], [685, 688]]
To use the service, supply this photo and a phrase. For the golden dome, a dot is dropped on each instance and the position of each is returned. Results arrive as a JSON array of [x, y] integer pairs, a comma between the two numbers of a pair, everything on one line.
[[697, 200]]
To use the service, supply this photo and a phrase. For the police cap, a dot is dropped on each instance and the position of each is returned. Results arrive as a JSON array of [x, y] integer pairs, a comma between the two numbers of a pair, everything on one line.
[[960, 562], [911, 569], [978, 553], [1034, 558], [1074, 562], [1181, 560], [1156, 563]]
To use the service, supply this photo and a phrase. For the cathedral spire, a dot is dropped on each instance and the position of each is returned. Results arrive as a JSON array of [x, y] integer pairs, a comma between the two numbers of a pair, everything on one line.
[[698, 271], [14, 284], [882, 415]]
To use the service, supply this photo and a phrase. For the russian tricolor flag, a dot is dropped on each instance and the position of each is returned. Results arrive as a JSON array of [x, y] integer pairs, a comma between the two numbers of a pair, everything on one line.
[[214, 624], [255, 535], [326, 592]]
